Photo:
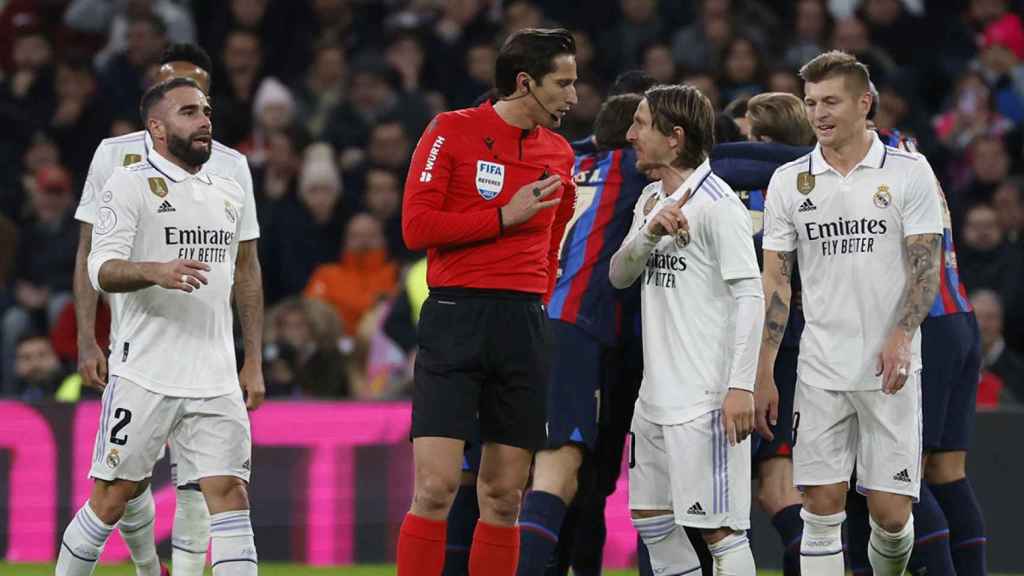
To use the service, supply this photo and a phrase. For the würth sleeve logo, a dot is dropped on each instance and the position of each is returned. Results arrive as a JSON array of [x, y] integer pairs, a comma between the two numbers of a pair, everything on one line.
[[490, 177], [427, 174]]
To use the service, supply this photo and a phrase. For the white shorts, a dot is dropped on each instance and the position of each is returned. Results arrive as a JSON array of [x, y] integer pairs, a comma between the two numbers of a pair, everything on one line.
[[690, 469], [880, 433], [207, 436]]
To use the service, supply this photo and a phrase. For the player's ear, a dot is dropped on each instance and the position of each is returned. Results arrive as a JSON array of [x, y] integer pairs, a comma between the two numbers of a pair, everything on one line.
[[523, 82], [677, 137]]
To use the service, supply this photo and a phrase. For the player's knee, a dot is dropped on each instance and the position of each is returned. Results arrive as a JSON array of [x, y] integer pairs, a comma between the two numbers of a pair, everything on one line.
[[108, 499], [499, 500], [225, 493], [891, 520], [434, 493], [945, 467], [825, 500]]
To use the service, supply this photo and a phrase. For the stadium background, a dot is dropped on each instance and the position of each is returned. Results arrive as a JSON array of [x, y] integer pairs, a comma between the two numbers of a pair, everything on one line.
[[327, 98]]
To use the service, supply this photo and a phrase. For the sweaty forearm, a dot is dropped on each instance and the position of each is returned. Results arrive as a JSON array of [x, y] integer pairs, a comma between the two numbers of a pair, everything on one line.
[[248, 291], [628, 262], [85, 294], [922, 279]]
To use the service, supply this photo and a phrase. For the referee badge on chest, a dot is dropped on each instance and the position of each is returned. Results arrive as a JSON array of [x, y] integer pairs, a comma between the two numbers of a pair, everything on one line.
[[805, 182], [490, 177]]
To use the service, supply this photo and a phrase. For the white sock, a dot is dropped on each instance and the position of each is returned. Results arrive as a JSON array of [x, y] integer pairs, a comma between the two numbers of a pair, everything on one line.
[[732, 556], [671, 552], [889, 552], [821, 546], [233, 548], [136, 528], [190, 536], [82, 544]]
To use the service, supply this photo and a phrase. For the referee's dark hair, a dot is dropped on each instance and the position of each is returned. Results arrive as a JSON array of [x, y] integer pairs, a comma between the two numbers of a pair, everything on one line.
[[530, 50], [187, 52], [684, 106], [156, 94], [614, 119]]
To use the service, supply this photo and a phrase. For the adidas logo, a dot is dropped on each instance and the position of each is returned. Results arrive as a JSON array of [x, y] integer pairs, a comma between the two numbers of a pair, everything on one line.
[[696, 510], [807, 206], [902, 476], [165, 207]]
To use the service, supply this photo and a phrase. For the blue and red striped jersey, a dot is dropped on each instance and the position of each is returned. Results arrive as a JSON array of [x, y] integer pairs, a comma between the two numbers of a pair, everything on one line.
[[952, 296], [608, 186]]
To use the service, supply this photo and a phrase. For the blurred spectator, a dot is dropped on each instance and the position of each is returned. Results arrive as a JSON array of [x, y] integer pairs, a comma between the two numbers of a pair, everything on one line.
[[741, 69], [405, 54], [519, 14], [988, 164], [123, 75], [1002, 62], [986, 260], [706, 84], [82, 118], [274, 21], [623, 45], [698, 46], [27, 98], [8, 250], [851, 35], [276, 180], [362, 276], [322, 88], [1008, 201], [303, 351], [586, 55], [64, 335], [115, 16], [811, 29], [305, 233], [972, 113], [37, 369], [785, 80], [389, 147], [383, 200], [996, 357], [479, 76], [898, 110], [273, 111], [658, 62], [44, 262], [235, 90], [897, 32], [579, 122]]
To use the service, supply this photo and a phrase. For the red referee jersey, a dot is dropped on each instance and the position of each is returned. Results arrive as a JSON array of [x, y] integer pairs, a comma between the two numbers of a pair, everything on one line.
[[468, 164]]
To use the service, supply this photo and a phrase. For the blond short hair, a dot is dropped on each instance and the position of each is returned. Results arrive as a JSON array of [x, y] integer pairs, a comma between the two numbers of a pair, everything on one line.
[[779, 116]]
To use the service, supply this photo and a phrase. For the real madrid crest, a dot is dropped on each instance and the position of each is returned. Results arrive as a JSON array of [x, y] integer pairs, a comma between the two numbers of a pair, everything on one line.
[[882, 197], [158, 186], [682, 238], [113, 458], [805, 182]]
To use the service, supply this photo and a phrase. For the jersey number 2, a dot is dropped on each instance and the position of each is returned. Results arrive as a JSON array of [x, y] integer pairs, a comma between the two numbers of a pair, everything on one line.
[[123, 416]]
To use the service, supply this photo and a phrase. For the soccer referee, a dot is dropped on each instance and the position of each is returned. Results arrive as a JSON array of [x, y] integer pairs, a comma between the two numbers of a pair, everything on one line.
[[488, 195]]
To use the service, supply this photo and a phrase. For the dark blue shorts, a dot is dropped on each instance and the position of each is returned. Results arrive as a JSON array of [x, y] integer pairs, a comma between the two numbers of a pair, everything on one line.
[[785, 381], [951, 355], [575, 388]]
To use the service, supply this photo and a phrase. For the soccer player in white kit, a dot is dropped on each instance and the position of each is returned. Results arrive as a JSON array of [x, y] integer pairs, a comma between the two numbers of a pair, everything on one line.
[[191, 531], [864, 221], [165, 246], [702, 314]]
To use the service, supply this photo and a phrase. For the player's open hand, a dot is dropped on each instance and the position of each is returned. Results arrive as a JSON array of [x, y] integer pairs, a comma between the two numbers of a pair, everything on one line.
[[184, 275], [92, 365], [529, 200], [251, 380], [766, 403], [670, 218], [738, 415], [894, 361]]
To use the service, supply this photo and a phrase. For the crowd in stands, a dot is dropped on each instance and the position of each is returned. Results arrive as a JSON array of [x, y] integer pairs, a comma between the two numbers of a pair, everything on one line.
[[328, 97]]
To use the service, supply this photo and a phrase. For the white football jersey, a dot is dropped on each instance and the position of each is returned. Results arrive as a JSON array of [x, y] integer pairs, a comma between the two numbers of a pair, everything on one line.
[[136, 147], [687, 310], [168, 341], [848, 234]]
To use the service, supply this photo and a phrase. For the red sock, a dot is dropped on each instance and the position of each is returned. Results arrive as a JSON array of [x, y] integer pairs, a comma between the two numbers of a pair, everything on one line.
[[495, 550], [421, 546]]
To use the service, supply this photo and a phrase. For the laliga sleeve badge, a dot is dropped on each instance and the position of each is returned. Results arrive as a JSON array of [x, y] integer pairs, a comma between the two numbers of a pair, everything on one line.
[[650, 203], [882, 197], [130, 159], [805, 182], [113, 458]]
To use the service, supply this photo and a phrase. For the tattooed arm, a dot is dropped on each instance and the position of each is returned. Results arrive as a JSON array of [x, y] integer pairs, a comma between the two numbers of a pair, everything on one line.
[[923, 252], [248, 291], [778, 271]]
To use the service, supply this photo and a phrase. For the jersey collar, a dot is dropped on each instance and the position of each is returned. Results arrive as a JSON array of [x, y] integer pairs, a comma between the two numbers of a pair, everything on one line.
[[171, 170], [504, 129], [875, 158]]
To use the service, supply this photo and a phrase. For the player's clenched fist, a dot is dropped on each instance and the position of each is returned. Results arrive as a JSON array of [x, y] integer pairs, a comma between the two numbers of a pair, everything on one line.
[[529, 200], [738, 415], [670, 219], [184, 275]]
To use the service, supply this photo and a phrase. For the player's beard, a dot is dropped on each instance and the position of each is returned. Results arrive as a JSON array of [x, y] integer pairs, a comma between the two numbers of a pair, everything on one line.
[[183, 149]]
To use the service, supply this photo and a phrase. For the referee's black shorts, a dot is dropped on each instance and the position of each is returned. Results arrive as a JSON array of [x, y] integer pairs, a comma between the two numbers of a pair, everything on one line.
[[486, 353]]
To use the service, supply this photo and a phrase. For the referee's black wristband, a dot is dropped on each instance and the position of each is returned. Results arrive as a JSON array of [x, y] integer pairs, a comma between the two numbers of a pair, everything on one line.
[[501, 223]]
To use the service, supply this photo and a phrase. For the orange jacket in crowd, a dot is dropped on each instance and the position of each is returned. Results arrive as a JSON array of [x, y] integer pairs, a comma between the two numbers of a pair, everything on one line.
[[354, 285]]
